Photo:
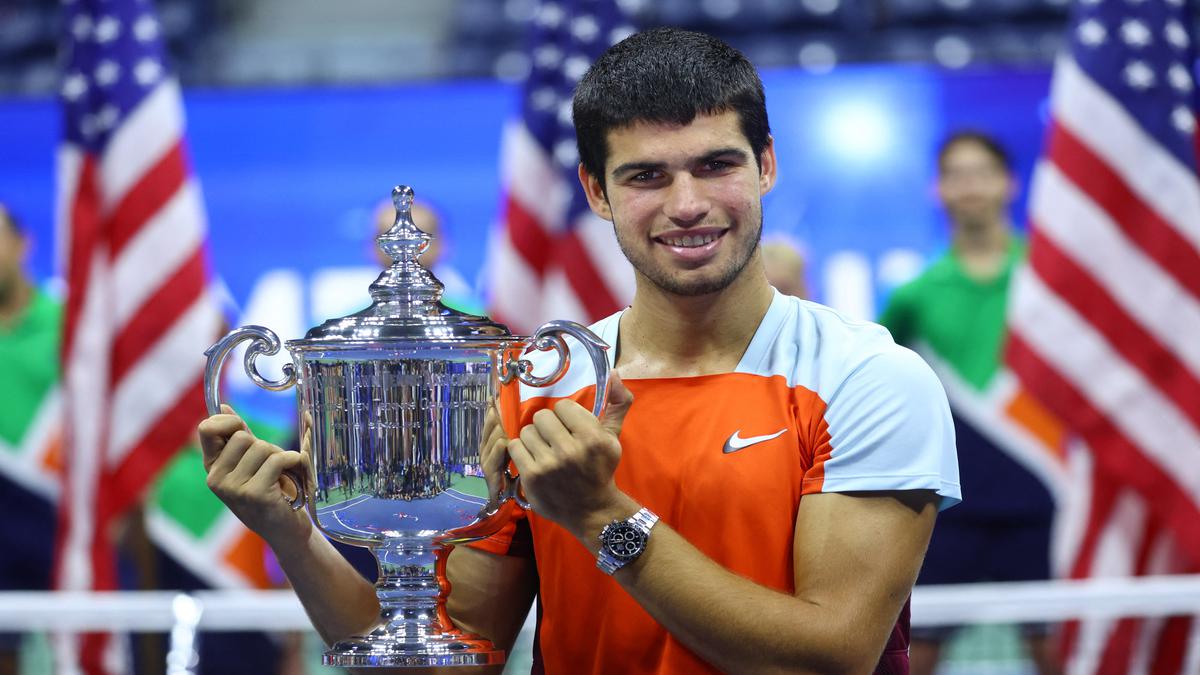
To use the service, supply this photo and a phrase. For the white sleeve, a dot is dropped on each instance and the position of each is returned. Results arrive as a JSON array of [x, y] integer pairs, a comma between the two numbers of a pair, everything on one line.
[[889, 429]]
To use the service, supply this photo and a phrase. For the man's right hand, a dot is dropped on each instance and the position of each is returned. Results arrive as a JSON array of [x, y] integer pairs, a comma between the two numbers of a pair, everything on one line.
[[245, 472], [493, 454]]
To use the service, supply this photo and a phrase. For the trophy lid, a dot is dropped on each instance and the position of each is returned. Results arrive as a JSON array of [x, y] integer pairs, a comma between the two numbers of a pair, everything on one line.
[[406, 298]]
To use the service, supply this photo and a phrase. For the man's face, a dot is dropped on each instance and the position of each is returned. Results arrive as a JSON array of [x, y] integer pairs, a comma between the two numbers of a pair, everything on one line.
[[685, 201], [973, 185]]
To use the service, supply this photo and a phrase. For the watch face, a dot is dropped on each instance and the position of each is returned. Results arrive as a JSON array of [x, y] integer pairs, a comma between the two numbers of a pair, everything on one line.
[[624, 541]]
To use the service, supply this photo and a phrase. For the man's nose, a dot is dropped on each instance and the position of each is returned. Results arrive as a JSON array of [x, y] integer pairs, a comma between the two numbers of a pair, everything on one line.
[[687, 202]]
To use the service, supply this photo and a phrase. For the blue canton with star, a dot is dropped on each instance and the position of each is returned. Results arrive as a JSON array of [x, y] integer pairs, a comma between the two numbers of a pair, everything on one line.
[[1143, 53], [112, 57], [566, 37]]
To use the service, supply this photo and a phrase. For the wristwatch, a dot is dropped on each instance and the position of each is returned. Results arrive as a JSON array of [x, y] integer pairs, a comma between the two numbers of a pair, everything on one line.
[[622, 541]]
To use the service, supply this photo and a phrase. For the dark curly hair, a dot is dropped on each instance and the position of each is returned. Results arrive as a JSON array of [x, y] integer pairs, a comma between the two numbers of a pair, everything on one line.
[[665, 75]]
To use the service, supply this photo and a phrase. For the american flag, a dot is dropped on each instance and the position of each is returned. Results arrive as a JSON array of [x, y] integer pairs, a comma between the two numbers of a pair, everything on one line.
[[138, 313], [554, 259], [1105, 317]]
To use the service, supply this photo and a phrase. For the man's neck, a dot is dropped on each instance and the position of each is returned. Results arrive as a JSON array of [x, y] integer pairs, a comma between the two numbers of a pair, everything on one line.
[[14, 302], [667, 335], [982, 248]]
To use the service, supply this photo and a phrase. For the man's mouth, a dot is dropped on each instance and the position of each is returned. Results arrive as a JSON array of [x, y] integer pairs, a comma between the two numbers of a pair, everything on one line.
[[689, 242], [692, 240], [694, 246]]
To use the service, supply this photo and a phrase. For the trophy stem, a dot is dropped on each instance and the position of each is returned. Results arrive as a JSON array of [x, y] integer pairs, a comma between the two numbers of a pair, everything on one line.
[[414, 630]]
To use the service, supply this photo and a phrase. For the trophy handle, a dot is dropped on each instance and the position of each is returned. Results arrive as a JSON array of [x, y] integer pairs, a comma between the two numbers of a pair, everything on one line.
[[264, 341], [549, 336]]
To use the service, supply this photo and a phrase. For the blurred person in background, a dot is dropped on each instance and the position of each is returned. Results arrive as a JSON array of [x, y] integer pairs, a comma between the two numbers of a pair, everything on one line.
[[954, 314], [783, 261], [30, 331], [30, 327], [458, 293]]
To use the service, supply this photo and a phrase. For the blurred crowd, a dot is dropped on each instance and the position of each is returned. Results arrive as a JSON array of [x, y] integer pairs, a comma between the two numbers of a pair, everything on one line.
[[224, 43]]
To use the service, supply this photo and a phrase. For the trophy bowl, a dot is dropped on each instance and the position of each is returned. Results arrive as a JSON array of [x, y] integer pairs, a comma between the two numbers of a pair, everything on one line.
[[398, 398]]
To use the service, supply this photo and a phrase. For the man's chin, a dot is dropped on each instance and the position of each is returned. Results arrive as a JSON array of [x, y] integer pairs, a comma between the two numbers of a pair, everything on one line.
[[696, 286]]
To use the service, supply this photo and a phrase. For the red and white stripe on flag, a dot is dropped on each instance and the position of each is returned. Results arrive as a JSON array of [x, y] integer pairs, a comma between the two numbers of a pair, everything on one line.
[[138, 312], [552, 258], [1104, 316], [540, 268]]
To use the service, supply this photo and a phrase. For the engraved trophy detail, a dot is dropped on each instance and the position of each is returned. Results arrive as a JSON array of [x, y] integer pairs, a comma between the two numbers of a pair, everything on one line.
[[399, 396]]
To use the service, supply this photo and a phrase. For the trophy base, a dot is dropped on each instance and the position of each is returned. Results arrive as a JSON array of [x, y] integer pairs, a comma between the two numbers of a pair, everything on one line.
[[448, 650]]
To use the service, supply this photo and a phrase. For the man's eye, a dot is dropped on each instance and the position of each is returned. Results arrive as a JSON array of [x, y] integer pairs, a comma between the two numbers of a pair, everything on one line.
[[644, 176], [717, 165]]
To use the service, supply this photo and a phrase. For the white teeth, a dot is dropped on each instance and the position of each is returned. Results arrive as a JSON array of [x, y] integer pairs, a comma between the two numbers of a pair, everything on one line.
[[691, 241]]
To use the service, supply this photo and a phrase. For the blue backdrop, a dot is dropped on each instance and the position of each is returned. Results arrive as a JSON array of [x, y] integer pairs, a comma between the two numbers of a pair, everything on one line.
[[290, 177]]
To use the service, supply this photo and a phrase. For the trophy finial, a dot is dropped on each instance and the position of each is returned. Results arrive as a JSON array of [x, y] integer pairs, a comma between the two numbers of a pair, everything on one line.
[[404, 242], [402, 198]]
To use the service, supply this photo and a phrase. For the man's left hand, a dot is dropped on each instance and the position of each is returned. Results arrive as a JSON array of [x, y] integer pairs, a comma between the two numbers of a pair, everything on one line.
[[567, 458]]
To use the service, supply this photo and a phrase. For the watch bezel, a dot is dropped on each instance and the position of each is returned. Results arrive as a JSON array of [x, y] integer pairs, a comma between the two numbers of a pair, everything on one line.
[[633, 541], [608, 538]]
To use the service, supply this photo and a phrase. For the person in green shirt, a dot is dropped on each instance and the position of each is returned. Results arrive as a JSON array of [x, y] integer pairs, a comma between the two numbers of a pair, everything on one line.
[[30, 325], [953, 313], [30, 321]]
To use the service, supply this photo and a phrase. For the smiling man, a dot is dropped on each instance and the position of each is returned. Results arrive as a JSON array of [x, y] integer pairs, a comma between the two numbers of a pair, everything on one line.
[[761, 491]]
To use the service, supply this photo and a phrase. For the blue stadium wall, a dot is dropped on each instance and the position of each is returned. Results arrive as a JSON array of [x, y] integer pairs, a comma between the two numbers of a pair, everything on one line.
[[291, 176]]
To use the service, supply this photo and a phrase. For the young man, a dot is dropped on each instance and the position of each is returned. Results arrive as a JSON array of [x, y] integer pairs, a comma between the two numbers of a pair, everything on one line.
[[773, 468], [954, 312]]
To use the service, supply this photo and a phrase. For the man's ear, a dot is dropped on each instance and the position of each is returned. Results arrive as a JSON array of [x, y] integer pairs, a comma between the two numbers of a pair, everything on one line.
[[597, 200], [767, 173]]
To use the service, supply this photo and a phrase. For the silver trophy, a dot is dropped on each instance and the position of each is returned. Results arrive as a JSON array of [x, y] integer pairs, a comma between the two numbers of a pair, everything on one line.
[[398, 396]]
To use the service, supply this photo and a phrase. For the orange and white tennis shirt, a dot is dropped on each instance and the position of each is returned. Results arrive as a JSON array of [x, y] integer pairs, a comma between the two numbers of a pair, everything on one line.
[[818, 403]]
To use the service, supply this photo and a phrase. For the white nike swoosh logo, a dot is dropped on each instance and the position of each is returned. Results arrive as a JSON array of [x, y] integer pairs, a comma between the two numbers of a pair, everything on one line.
[[736, 442]]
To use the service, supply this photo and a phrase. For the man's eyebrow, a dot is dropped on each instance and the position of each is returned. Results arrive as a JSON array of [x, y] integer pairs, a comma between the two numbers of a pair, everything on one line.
[[736, 153], [637, 167], [630, 167]]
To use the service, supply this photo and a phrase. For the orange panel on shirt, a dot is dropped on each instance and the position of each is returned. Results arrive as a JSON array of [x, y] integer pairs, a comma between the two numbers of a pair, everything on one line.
[[738, 508]]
